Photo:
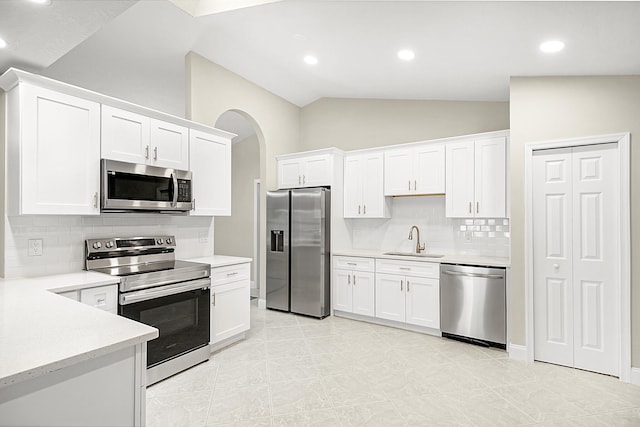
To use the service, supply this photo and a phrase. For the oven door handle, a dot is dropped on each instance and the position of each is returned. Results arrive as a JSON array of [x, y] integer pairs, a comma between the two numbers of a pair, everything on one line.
[[163, 291]]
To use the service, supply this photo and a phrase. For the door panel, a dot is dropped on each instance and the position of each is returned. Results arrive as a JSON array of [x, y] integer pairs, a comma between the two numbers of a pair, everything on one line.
[[576, 211], [595, 202], [353, 186], [459, 179], [423, 302], [490, 183], [552, 266], [390, 303], [342, 298], [277, 242]]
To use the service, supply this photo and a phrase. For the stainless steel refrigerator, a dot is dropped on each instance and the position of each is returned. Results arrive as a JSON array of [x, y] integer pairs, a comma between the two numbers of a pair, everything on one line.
[[298, 251]]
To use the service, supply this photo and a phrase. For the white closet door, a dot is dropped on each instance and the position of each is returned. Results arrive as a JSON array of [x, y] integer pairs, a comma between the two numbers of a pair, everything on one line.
[[552, 256], [595, 258], [575, 257]]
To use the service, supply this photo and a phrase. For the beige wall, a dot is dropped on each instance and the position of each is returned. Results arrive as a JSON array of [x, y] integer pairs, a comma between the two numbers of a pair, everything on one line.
[[352, 124], [234, 234], [548, 108], [211, 90]]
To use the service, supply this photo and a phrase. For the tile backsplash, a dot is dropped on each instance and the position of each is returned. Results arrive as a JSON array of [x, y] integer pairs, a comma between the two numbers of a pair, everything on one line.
[[63, 238], [485, 237]]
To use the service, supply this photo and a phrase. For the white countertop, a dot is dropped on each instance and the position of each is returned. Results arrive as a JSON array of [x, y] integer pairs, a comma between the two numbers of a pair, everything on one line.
[[447, 258], [220, 260], [41, 332]]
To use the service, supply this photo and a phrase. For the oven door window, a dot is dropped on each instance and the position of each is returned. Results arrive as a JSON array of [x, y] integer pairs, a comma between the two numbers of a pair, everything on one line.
[[131, 186], [181, 319]]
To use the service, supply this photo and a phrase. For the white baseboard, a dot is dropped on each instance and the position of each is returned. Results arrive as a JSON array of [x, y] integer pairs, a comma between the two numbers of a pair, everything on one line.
[[635, 376], [518, 352], [262, 303]]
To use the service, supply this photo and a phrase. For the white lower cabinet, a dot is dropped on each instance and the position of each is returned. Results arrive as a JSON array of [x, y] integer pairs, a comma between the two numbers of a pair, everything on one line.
[[408, 292], [102, 297], [354, 290], [230, 301]]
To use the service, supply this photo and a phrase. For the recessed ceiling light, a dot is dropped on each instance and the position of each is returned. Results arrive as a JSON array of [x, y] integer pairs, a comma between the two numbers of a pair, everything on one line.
[[42, 2], [406, 54], [311, 60], [552, 46], [3, 43]]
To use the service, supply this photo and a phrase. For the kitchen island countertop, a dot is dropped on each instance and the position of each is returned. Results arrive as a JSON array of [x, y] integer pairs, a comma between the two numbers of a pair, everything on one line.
[[41, 332]]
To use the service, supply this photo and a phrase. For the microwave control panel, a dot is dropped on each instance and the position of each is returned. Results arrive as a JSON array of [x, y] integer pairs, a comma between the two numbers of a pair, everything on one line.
[[184, 190]]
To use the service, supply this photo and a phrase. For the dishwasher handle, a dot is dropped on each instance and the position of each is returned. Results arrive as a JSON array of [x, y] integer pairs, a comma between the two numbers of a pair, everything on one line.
[[486, 276]]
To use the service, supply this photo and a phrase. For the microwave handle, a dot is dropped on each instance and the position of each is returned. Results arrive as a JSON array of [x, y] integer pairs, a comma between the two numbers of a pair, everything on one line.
[[174, 178]]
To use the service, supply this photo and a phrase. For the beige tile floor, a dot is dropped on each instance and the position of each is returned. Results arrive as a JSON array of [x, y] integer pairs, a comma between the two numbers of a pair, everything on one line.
[[296, 371]]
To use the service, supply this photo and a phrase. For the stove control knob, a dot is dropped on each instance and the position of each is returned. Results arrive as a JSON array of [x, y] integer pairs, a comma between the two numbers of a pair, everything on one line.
[[97, 245], [160, 241], [169, 241], [109, 244]]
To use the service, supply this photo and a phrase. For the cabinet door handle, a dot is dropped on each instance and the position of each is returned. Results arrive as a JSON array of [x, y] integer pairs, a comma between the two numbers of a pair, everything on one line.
[[193, 204], [155, 153], [348, 279], [477, 207], [409, 185], [146, 152], [400, 285], [352, 263], [95, 199], [364, 209], [404, 268], [354, 279], [304, 179], [469, 207], [299, 180], [407, 286], [232, 274], [415, 185], [358, 209], [214, 300]]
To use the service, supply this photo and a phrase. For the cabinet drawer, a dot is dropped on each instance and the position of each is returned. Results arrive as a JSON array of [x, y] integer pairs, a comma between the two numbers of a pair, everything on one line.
[[354, 263], [408, 268], [102, 297], [231, 273]]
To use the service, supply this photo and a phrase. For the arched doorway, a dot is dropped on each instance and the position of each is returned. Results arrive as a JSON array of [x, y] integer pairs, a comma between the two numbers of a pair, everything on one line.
[[239, 234]]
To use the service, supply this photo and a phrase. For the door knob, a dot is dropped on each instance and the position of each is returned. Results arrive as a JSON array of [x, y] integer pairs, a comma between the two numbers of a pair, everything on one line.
[[556, 267]]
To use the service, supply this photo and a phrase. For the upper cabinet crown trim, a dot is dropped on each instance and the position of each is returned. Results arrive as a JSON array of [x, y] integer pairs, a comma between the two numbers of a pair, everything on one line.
[[13, 76], [331, 150]]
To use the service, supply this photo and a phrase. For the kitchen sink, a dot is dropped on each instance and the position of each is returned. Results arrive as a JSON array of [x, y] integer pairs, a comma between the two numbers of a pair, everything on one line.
[[414, 254]]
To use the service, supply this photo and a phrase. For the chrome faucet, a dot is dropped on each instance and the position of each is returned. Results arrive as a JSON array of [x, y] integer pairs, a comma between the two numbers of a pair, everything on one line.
[[419, 247]]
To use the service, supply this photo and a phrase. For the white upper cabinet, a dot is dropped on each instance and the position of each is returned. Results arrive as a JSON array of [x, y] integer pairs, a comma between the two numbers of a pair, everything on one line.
[[211, 167], [135, 138], [53, 152], [305, 171], [415, 170], [363, 186], [476, 178]]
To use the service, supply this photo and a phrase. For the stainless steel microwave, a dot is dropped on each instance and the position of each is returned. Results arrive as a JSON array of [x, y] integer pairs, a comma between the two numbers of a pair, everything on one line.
[[128, 187]]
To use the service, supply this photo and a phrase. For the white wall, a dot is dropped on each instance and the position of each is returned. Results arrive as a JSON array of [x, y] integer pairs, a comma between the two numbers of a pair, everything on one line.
[[352, 124], [234, 234], [63, 238], [485, 237]]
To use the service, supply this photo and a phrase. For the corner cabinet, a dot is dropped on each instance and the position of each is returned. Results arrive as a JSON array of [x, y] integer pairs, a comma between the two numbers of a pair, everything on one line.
[[135, 138], [409, 292], [476, 178], [414, 170], [53, 152], [230, 302], [210, 163], [364, 186], [353, 285]]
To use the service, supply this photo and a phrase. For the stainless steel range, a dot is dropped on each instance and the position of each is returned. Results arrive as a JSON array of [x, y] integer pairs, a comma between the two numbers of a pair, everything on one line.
[[158, 290]]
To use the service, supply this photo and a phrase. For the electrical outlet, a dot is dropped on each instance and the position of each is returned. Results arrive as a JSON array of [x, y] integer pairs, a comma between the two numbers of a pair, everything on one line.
[[203, 237], [35, 247]]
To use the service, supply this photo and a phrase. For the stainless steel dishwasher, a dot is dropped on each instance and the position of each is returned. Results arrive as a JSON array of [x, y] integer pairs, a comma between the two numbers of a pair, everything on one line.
[[473, 304]]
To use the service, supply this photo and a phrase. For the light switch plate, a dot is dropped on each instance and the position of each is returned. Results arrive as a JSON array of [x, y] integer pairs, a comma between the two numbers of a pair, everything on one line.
[[35, 247]]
